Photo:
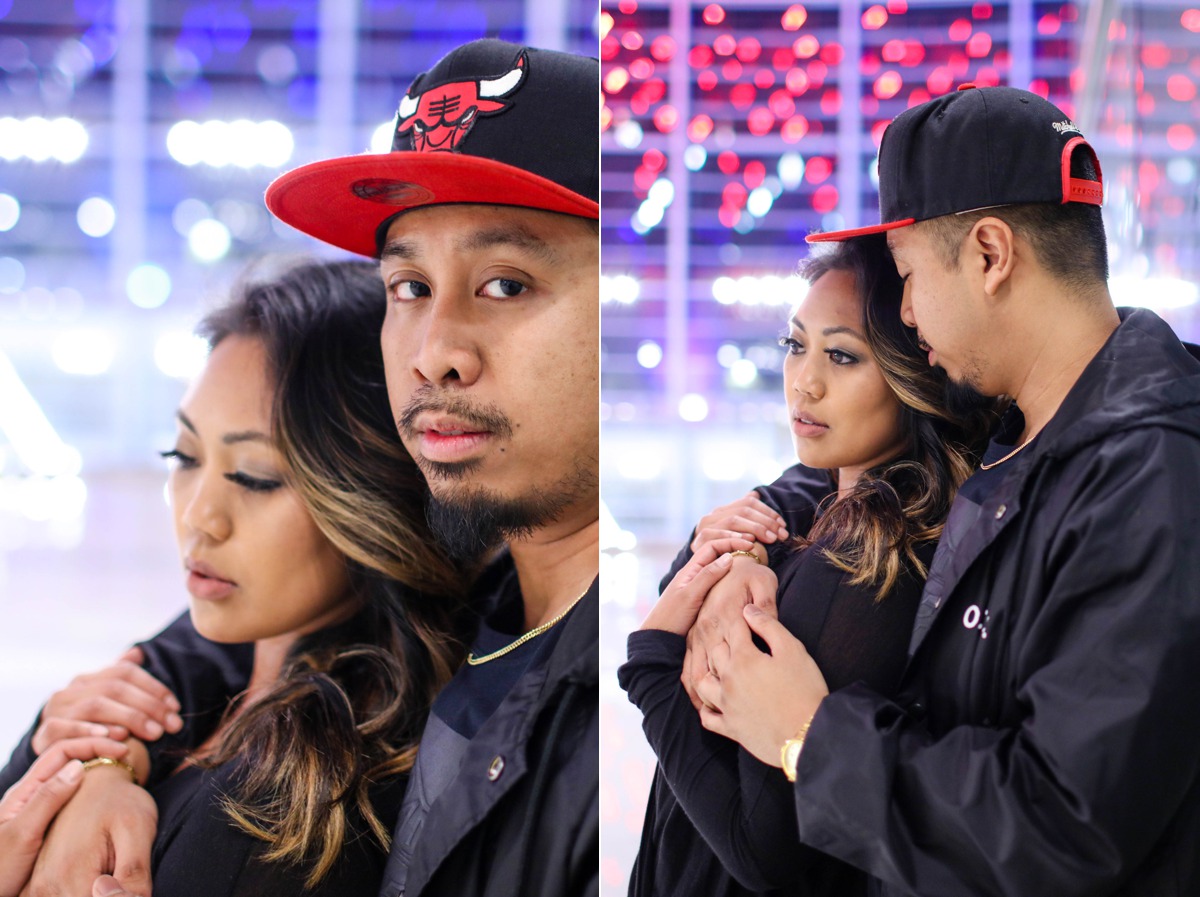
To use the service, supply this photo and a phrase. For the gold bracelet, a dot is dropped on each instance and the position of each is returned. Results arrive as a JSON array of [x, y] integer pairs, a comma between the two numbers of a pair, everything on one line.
[[789, 754], [743, 553], [109, 761]]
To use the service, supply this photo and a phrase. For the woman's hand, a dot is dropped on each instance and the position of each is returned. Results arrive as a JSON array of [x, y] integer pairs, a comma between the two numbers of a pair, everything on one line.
[[747, 583], [680, 601], [747, 518], [116, 701], [760, 700], [29, 806]]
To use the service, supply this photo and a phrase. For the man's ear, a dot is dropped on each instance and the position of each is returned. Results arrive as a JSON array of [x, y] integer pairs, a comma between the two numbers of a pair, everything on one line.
[[990, 248]]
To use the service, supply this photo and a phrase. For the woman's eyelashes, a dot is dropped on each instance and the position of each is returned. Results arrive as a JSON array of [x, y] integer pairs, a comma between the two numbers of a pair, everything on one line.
[[244, 480], [839, 357]]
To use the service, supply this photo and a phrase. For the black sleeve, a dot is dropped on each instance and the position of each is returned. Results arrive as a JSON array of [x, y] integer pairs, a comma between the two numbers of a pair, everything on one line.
[[204, 675], [741, 807], [794, 495]]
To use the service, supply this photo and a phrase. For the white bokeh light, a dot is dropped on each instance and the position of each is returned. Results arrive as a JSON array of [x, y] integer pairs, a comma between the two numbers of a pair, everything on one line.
[[148, 286], [96, 216], [87, 353], [209, 240]]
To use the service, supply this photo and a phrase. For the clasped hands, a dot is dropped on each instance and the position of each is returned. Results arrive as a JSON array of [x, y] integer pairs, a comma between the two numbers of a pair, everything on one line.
[[719, 602]]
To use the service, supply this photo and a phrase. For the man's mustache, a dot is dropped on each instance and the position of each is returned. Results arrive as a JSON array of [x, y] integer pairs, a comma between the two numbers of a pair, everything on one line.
[[487, 418]]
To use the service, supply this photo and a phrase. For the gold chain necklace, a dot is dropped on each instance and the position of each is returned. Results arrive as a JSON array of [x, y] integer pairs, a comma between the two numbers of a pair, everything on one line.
[[531, 634], [1010, 454]]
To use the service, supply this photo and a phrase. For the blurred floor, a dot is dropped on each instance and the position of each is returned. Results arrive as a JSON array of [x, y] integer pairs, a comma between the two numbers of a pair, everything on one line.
[[65, 611]]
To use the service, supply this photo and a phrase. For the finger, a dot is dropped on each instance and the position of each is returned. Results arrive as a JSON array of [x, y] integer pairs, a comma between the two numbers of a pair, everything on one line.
[[133, 654], [714, 721], [754, 502], [107, 886], [763, 591], [132, 689], [708, 690], [133, 673], [766, 627], [109, 711], [131, 855], [58, 729], [711, 534], [762, 520], [36, 813], [718, 658], [55, 759]]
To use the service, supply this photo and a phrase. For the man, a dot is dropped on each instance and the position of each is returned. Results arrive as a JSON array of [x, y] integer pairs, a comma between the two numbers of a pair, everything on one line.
[[1044, 737], [484, 218]]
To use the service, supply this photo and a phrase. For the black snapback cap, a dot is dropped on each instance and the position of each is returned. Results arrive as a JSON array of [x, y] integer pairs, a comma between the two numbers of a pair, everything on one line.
[[976, 148], [492, 123]]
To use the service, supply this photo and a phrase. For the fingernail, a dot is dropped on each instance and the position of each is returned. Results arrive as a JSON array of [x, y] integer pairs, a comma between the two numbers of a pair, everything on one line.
[[153, 729], [751, 611], [97, 729], [724, 560], [174, 722], [71, 773], [106, 886], [173, 703]]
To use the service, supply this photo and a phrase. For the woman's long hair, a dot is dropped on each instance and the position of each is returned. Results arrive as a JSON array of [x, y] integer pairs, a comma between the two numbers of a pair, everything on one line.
[[871, 531], [351, 700]]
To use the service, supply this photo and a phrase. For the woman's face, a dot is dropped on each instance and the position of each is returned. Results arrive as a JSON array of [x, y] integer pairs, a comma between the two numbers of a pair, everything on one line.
[[257, 566], [844, 415]]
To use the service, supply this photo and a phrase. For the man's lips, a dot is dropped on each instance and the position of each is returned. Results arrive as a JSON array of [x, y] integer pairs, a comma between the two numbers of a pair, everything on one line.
[[447, 439]]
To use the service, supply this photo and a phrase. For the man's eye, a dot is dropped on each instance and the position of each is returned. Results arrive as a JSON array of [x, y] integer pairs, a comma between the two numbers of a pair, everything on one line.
[[406, 290], [503, 288]]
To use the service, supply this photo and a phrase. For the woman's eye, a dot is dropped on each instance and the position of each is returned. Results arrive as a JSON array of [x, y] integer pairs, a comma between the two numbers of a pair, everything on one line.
[[837, 356], [178, 458], [503, 288], [253, 484], [793, 346], [407, 290]]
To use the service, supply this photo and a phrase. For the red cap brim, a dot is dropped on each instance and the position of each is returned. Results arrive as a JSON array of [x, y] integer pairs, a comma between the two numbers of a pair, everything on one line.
[[836, 236], [344, 201]]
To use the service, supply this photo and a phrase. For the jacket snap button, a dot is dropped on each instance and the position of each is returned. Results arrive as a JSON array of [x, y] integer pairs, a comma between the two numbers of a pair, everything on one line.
[[1000, 511], [495, 769]]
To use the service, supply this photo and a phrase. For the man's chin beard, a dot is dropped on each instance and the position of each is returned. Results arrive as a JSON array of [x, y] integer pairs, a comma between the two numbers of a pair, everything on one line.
[[469, 522]]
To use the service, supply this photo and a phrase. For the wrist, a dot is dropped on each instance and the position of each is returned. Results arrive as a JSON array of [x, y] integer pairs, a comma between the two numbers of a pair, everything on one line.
[[792, 748]]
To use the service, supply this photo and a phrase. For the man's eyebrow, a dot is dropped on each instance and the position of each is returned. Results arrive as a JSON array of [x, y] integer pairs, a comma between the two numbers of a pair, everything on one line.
[[228, 438], [404, 250], [509, 235]]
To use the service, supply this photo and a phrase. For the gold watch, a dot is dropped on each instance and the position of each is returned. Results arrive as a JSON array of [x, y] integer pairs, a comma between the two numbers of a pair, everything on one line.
[[789, 754]]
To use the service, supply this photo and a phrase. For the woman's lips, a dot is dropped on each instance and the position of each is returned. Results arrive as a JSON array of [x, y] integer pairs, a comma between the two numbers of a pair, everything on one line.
[[808, 428], [208, 588]]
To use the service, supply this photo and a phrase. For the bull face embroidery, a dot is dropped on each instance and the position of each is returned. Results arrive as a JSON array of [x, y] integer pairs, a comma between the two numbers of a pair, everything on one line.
[[440, 117]]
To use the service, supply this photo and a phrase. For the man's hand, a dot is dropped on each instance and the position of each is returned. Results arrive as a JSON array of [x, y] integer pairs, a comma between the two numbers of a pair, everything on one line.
[[760, 700], [747, 518], [123, 699], [747, 583], [107, 886], [108, 828], [29, 806], [676, 608]]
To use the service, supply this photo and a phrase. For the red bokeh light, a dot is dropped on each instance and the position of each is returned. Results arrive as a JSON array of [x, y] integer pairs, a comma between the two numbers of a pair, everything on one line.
[[1181, 137], [700, 56], [1145, 104], [888, 85], [731, 70], [825, 199], [794, 18], [605, 117], [1041, 87], [796, 81], [1116, 30], [734, 195], [760, 121], [632, 40], [654, 159], [817, 71], [628, 7], [764, 79], [1049, 24], [897, 7], [643, 179], [728, 162], [707, 80], [1148, 177], [940, 80], [1190, 19], [874, 17], [918, 96], [662, 48], [742, 95], [877, 130], [666, 118], [782, 105], [794, 129], [832, 53], [958, 64], [869, 64], [1076, 80], [713, 14], [979, 45], [1155, 56], [806, 47], [748, 49], [699, 128], [987, 77], [981, 11], [782, 58], [754, 174], [724, 45], [869, 105], [609, 48], [831, 101], [818, 170], [641, 68], [1181, 88], [729, 216], [892, 51], [959, 30]]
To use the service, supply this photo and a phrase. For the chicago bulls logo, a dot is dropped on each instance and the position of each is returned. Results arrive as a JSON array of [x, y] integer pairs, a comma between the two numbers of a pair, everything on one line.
[[440, 117]]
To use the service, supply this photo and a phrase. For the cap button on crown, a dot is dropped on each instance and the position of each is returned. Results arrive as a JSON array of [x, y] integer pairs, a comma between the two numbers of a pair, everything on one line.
[[970, 85]]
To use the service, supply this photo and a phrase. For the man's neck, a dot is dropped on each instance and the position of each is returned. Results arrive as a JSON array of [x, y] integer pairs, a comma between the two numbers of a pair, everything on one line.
[[556, 564], [1057, 356]]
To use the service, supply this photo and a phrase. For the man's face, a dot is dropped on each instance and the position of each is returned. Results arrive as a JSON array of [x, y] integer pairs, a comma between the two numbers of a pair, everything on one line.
[[941, 304], [491, 351]]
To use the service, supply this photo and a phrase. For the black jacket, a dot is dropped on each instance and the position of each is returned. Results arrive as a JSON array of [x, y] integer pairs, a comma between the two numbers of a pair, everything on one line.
[[1045, 740], [535, 830]]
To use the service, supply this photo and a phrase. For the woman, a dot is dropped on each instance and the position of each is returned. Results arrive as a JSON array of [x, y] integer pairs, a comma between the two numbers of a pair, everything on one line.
[[300, 524], [866, 407]]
